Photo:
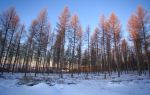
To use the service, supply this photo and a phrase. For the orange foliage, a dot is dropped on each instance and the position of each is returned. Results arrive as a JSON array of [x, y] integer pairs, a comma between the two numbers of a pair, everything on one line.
[[74, 21], [63, 19], [115, 25]]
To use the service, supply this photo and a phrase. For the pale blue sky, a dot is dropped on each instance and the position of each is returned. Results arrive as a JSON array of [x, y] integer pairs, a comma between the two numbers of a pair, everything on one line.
[[89, 11]]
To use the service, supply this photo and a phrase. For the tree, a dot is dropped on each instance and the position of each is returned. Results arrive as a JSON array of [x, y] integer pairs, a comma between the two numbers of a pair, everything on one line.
[[62, 28], [17, 46], [138, 26], [108, 45], [9, 23], [94, 47], [124, 50], [144, 21], [115, 29], [40, 29], [106, 41], [75, 29], [87, 41], [103, 43], [133, 28], [79, 47]]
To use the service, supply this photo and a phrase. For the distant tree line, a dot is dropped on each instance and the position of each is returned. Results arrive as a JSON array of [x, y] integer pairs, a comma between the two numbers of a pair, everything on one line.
[[69, 49]]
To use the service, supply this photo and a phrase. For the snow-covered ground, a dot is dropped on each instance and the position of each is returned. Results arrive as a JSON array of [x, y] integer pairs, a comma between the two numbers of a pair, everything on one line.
[[127, 84]]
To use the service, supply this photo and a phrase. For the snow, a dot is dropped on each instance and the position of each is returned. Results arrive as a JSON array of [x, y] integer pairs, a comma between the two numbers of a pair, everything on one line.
[[127, 84]]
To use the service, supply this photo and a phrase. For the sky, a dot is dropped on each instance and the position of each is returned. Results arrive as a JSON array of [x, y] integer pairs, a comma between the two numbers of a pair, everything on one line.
[[89, 11]]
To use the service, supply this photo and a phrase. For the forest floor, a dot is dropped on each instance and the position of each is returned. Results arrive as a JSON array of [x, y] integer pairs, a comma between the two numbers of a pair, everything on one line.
[[94, 84]]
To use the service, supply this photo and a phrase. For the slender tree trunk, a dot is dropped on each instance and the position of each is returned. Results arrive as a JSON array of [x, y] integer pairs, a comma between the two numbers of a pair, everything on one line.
[[3, 46], [8, 50]]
